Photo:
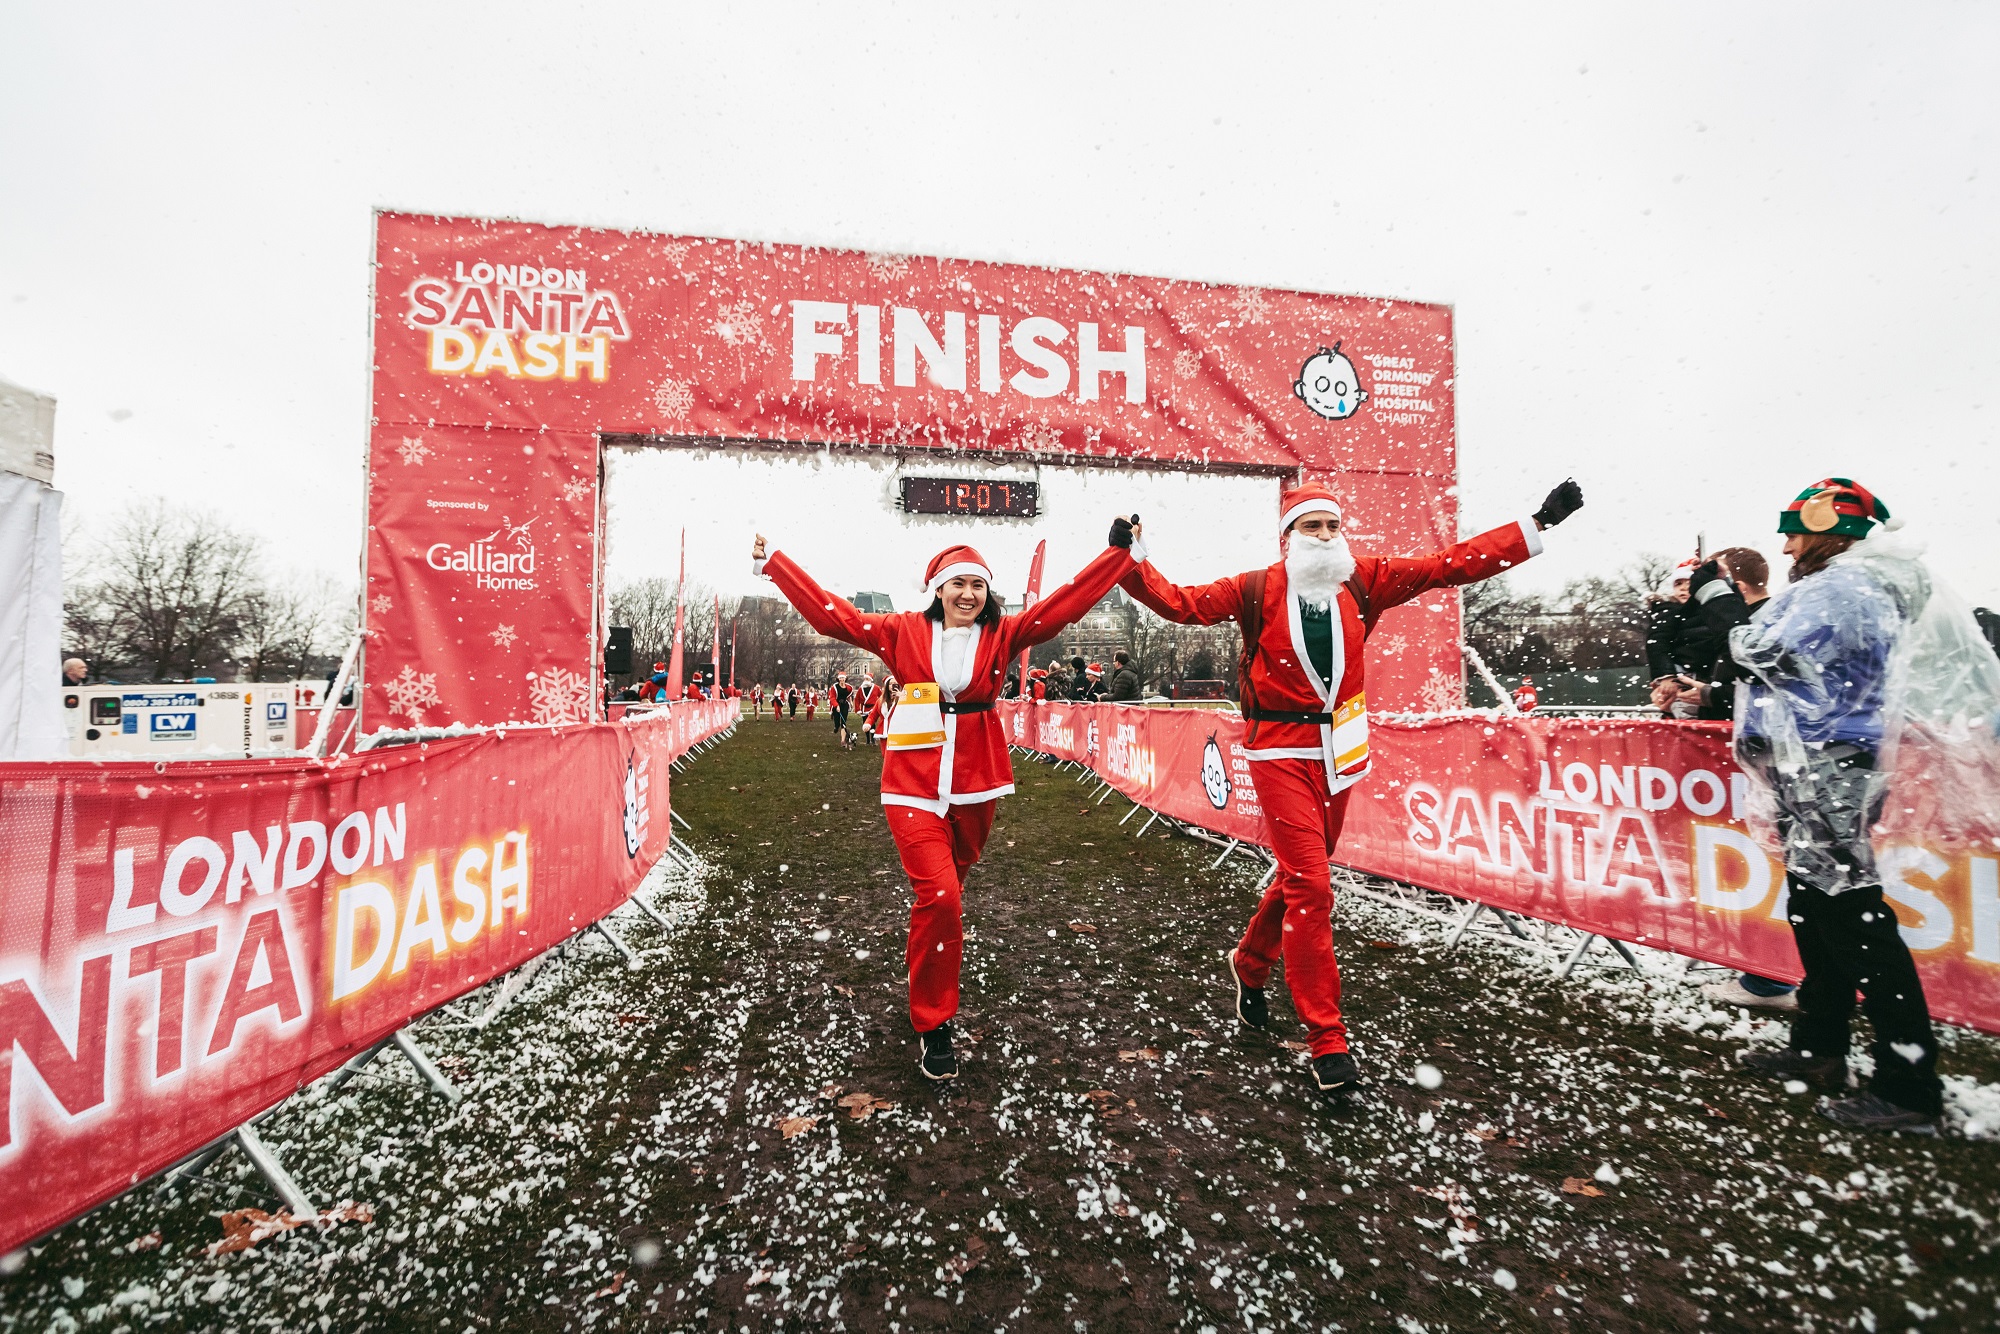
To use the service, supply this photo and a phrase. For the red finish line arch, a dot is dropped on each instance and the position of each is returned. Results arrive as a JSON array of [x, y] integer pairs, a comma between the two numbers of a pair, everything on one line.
[[506, 355]]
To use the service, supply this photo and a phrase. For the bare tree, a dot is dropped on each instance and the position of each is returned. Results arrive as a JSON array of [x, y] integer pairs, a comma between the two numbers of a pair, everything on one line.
[[295, 629], [169, 594]]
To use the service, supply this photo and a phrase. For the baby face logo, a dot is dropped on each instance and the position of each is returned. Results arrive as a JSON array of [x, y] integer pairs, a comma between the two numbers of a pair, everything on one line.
[[1329, 385], [1214, 774]]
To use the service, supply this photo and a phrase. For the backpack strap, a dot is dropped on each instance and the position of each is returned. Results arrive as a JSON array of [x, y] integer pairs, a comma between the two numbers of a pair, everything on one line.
[[1359, 592], [1251, 618]]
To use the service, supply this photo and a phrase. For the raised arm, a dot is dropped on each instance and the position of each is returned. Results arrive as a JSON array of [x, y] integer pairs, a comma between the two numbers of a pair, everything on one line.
[[829, 614], [1394, 580], [1185, 604], [1047, 618]]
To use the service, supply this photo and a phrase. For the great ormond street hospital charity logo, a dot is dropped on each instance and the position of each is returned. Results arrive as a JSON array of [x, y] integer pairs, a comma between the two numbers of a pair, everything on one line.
[[1330, 385], [1214, 774], [635, 810]]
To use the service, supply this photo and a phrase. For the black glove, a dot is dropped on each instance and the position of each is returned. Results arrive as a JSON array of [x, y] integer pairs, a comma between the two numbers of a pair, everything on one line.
[[1708, 572], [1121, 531], [1564, 501]]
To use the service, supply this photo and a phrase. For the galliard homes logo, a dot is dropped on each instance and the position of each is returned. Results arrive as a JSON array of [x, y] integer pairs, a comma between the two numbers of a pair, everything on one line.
[[501, 561]]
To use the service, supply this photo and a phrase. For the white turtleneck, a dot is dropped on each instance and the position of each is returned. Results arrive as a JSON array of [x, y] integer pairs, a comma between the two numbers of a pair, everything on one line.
[[954, 664]]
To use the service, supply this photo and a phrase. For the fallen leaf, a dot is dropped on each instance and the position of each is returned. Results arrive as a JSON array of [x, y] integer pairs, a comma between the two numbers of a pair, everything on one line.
[[1483, 1132], [853, 1248], [860, 1106], [151, 1241], [845, 991], [1195, 1032], [1081, 928], [1715, 1112], [975, 1251], [634, 1018], [1056, 862], [829, 1090], [611, 1289], [789, 1126], [760, 1277], [244, 1228], [1579, 1186], [1385, 944], [1294, 1046], [1142, 1054]]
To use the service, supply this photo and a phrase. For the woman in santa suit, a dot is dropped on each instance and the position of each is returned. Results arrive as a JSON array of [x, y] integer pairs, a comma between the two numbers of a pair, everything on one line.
[[812, 702], [947, 762]]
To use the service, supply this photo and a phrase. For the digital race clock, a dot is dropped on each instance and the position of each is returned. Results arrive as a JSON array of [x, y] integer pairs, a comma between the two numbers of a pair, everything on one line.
[[970, 497]]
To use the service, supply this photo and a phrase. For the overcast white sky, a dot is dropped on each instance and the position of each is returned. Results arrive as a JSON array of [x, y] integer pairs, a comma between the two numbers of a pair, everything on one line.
[[1700, 255]]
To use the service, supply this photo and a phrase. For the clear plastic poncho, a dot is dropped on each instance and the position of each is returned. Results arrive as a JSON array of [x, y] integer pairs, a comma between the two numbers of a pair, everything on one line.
[[1868, 655]]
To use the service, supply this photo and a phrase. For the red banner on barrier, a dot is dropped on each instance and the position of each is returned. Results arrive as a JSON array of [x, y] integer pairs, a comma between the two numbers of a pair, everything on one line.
[[180, 950], [1632, 830]]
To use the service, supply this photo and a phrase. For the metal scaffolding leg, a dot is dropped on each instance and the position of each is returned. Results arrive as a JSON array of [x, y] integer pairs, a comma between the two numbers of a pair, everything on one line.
[[421, 1059], [1583, 948], [274, 1172], [631, 959], [517, 982], [1108, 790], [1225, 855], [652, 912], [1264, 880], [1148, 825], [677, 819], [1129, 814], [1480, 909]]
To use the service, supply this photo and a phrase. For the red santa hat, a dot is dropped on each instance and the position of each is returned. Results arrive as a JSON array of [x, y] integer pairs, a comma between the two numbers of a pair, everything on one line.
[[1305, 500], [952, 562]]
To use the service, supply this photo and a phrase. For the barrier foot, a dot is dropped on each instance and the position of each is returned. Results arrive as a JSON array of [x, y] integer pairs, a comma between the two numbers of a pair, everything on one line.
[[652, 912], [1129, 814], [356, 1064], [1108, 790], [274, 1172], [421, 1059], [677, 818], [1583, 948], [1148, 825], [1264, 880], [1477, 911], [687, 853], [631, 959], [517, 982], [1225, 855], [1506, 919]]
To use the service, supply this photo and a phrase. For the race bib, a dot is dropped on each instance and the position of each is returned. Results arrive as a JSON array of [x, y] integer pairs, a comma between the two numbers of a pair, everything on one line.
[[916, 722]]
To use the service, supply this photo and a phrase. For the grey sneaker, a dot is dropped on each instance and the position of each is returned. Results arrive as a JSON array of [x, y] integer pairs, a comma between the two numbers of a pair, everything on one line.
[[1825, 1072], [1870, 1111], [1250, 1006], [1734, 992]]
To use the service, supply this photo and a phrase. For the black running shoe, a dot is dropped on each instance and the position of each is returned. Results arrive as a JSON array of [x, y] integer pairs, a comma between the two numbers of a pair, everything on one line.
[[1869, 1111], [1336, 1072], [1824, 1072], [1250, 1006], [938, 1062]]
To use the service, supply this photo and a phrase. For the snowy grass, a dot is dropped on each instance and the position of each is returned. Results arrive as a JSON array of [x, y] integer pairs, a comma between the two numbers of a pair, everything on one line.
[[1117, 1155]]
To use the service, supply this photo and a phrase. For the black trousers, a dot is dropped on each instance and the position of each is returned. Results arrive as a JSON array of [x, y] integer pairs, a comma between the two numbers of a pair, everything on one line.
[[1850, 942]]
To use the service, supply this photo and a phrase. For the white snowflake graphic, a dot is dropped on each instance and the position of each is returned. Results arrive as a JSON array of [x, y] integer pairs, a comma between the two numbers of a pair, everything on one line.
[[1041, 438], [674, 399], [380, 603], [410, 693], [884, 265], [674, 252], [1441, 694], [1187, 364], [414, 451], [1251, 305], [503, 636], [741, 324], [1251, 432], [575, 489], [558, 695], [1392, 644]]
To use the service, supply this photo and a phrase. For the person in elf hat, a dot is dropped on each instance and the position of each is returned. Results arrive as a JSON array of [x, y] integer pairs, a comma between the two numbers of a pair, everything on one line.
[[1304, 620], [1525, 698], [1818, 712], [947, 762]]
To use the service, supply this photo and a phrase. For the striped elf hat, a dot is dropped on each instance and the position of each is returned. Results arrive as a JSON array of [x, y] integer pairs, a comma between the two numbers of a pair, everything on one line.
[[1837, 505]]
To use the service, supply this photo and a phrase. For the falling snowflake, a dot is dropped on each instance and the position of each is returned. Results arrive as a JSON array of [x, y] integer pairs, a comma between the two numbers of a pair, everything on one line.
[[410, 693], [380, 603], [1392, 644], [414, 451], [741, 324], [674, 399], [1251, 305], [1442, 694], [558, 695], [503, 636], [575, 489], [887, 265], [1187, 364]]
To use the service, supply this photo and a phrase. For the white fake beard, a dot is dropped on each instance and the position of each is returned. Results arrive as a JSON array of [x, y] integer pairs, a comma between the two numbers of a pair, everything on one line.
[[1316, 569]]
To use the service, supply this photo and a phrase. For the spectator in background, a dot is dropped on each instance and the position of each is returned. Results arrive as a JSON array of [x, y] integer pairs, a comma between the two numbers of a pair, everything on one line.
[[75, 672], [1055, 681], [1989, 625], [1125, 684], [1525, 698], [1038, 684], [1678, 644], [1012, 690], [1079, 679]]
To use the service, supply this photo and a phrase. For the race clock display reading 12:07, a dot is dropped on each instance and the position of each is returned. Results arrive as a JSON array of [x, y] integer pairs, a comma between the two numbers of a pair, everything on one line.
[[970, 497]]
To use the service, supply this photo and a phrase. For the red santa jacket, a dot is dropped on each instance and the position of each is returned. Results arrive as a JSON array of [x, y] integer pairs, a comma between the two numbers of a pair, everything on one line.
[[973, 763], [1281, 676]]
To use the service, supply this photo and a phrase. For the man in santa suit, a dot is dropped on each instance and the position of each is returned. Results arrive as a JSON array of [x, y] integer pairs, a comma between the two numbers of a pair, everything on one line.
[[1308, 723]]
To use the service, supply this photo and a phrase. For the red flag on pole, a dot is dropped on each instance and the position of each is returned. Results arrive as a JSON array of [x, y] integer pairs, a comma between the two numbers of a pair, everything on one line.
[[732, 651], [675, 687], [1033, 594], [715, 653]]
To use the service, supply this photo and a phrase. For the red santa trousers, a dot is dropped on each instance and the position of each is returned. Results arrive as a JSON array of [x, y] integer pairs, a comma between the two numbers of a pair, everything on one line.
[[937, 850], [1295, 918]]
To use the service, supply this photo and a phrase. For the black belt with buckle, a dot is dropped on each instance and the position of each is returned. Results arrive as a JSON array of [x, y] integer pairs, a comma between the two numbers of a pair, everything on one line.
[[1287, 716], [965, 706]]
